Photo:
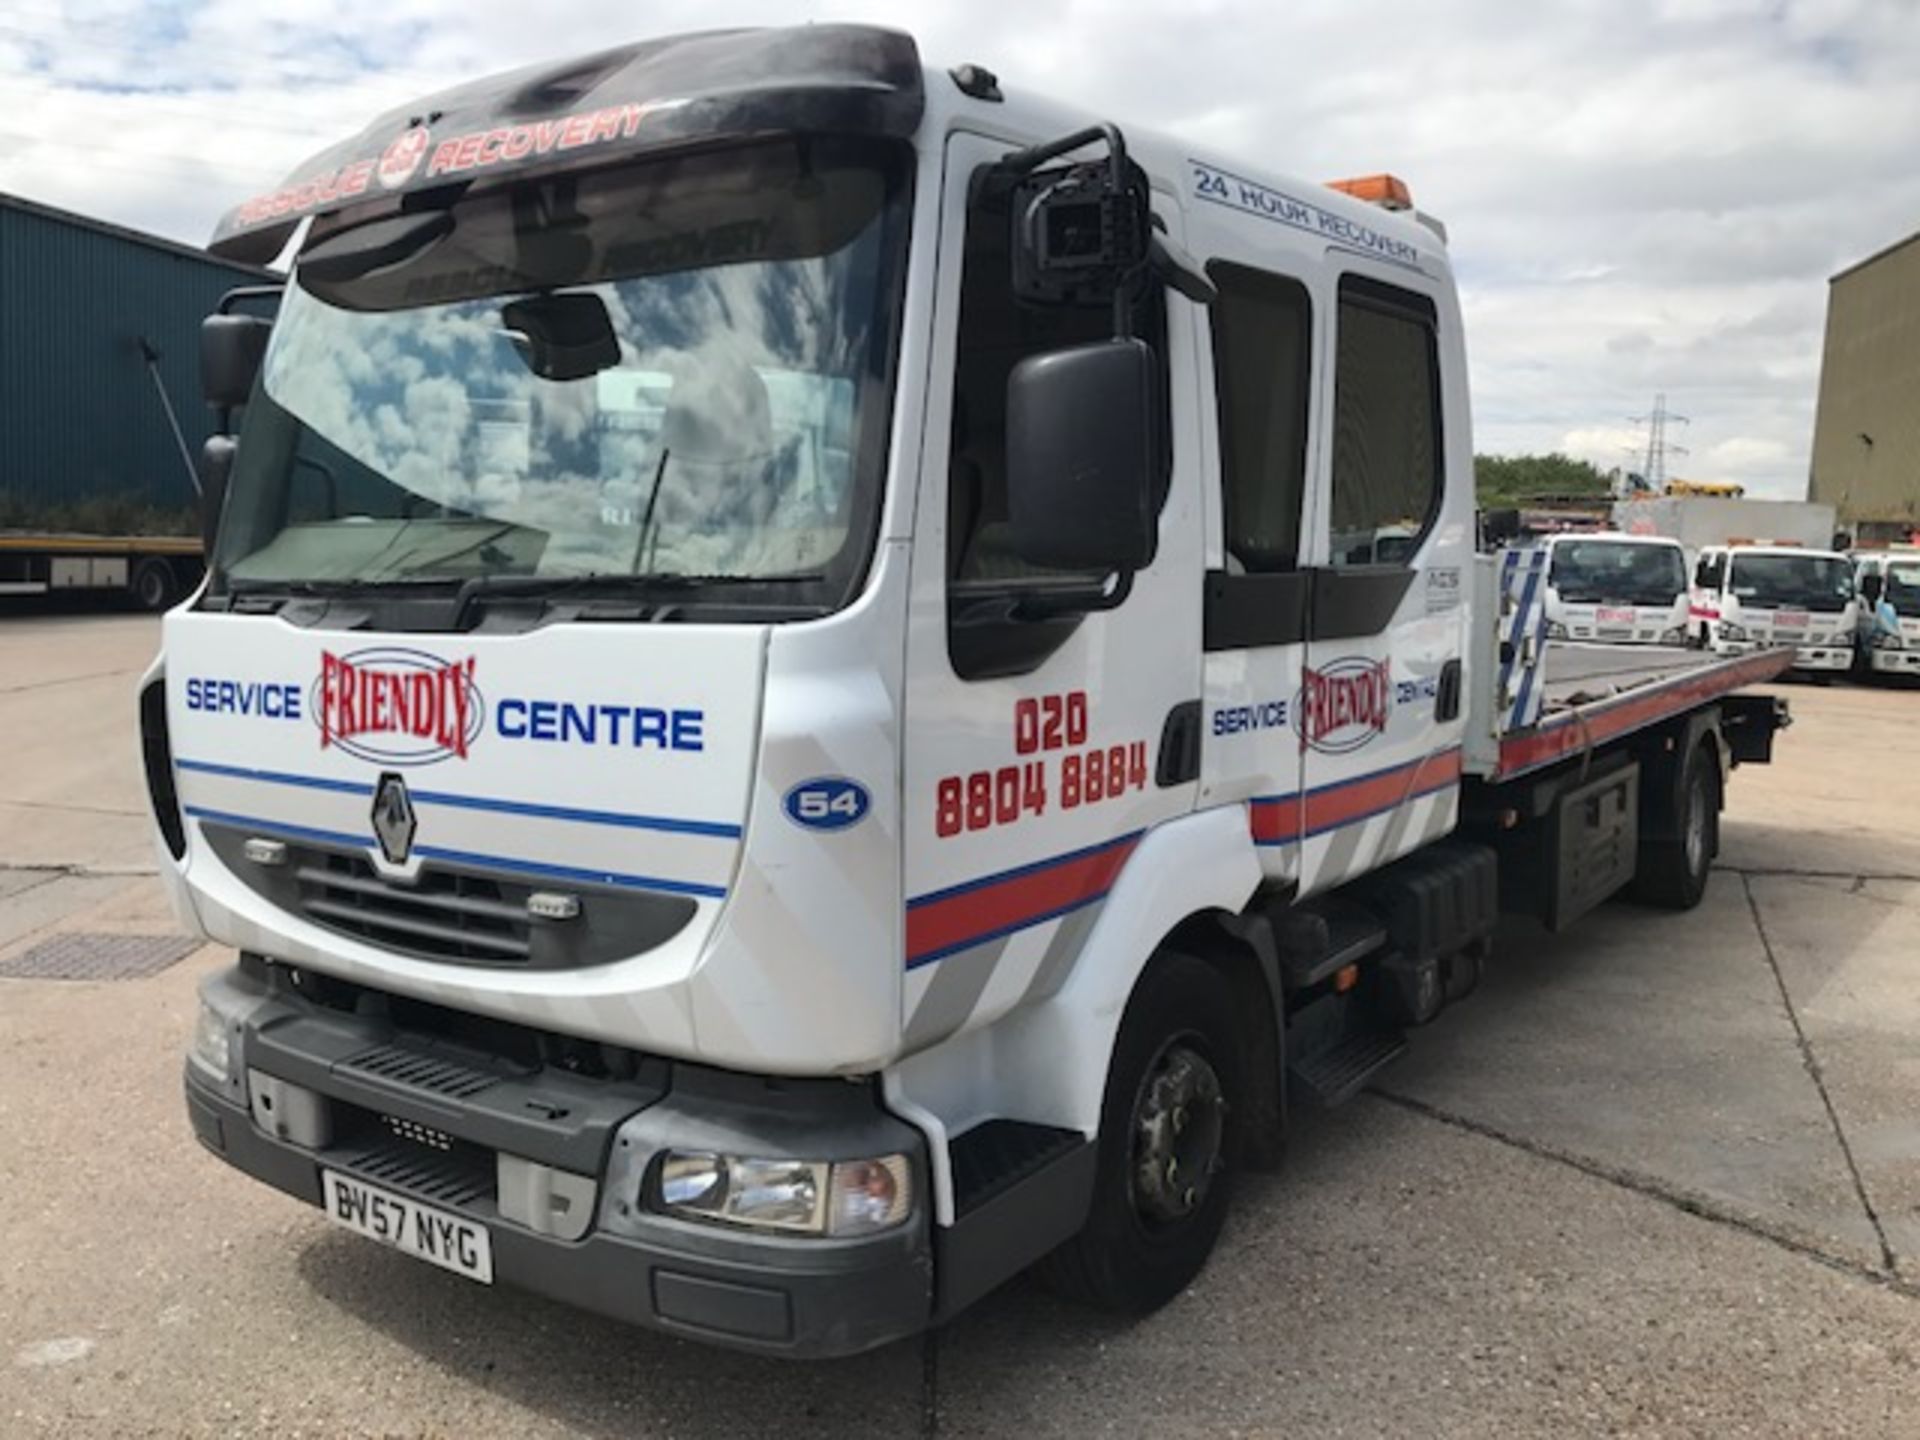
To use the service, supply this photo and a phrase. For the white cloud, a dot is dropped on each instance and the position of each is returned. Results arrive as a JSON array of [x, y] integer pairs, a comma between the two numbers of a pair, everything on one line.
[[1643, 195]]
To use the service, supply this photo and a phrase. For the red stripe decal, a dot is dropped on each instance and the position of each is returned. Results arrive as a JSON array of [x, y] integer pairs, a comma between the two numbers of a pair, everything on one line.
[[1278, 820], [1562, 736], [951, 922]]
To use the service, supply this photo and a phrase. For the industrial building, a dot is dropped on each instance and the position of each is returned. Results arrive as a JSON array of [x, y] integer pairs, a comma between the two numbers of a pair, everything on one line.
[[96, 314], [1866, 434]]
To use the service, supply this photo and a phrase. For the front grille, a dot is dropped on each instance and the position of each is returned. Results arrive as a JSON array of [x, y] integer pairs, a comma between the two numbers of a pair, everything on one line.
[[414, 1159], [444, 914]]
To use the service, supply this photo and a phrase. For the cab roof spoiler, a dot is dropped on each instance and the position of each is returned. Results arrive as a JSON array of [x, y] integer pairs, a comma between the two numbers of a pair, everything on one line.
[[654, 95]]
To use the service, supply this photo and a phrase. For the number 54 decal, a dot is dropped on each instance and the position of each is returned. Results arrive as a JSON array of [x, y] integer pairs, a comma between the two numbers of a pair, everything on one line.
[[831, 802]]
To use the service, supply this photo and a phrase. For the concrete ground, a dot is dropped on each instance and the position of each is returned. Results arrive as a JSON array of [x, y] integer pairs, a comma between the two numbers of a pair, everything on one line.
[[1662, 1176]]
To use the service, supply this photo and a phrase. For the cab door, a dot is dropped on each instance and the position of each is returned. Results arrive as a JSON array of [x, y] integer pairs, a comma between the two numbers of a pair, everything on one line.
[[1031, 765], [1379, 717], [1261, 447]]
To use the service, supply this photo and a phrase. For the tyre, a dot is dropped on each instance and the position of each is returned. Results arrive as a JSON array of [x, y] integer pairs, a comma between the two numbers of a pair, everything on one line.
[[1169, 1143], [1672, 873], [153, 586]]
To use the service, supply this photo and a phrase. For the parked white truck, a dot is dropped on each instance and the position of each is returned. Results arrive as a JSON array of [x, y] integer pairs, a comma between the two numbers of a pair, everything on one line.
[[1749, 598], [1616, 589], [777, 719], [1888, 582]]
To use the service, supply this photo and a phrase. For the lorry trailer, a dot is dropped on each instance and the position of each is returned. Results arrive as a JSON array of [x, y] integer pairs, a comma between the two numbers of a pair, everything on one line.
[[152, 571], [822, 680]]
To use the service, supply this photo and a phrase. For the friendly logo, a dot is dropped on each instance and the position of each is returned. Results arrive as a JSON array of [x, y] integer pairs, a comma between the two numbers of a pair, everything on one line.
[[400, 160], [395, 706], [1343, 705]]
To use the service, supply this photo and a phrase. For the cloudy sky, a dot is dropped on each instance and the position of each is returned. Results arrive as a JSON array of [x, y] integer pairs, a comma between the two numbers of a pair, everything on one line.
[[1644, 195]]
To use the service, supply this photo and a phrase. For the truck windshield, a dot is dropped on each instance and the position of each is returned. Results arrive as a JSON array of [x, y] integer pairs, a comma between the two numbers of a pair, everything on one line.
[[673, 373], [1804, 582], [1902, 590], [1585, 571]]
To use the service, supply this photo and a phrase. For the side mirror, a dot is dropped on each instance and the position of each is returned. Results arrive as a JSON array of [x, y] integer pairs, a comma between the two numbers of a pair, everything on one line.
[[1871, 586], [216, 464], [231, 349], [1082, 445]]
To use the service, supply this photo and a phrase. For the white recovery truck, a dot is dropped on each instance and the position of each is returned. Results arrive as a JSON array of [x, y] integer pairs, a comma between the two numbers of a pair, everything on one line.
[[1757, 598], [776, 717], [1614, 589]]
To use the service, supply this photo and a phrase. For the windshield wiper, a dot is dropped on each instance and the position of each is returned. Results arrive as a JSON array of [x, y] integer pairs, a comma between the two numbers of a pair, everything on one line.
[[600, 582]]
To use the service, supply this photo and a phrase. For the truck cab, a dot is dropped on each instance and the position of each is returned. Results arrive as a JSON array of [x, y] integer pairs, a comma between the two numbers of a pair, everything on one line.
[[1616, 589], [820, 680], [1888, 583], [1756, 597]]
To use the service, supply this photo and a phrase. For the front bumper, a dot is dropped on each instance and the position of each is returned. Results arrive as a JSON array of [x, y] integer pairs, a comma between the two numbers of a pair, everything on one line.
[[1806, 657], [799, 1296], [1895, 662]]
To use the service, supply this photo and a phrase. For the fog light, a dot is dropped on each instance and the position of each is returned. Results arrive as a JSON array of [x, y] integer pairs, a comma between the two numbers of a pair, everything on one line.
[[212, 1046], [1555, 630], [869, 1195], [849, 1197], [1731, 631]]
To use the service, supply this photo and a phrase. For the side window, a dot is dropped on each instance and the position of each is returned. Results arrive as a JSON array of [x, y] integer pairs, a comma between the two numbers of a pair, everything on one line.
[[996, 332], [1713, 568], [1262, 360], [1388, 476]]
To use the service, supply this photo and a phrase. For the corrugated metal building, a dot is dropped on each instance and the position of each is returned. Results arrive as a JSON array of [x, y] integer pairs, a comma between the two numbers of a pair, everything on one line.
[[80, 418], [1866, 432]]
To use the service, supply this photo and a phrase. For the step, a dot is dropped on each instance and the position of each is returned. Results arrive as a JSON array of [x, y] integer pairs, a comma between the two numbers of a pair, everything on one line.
[[1322, 937], [1341, 1072]]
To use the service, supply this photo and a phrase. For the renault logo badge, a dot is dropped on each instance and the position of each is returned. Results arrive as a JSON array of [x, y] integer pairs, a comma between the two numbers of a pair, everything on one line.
[[393, 818]]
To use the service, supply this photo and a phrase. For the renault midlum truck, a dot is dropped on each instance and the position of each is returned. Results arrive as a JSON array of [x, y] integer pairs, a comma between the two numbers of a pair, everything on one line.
[[776, 720]]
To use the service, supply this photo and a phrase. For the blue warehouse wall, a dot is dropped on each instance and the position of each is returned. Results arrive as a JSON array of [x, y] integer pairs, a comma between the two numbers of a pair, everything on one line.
[[79, 418]]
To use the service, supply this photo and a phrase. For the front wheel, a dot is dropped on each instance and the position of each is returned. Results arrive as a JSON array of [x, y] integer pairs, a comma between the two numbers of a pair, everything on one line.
[[1169, 1140]]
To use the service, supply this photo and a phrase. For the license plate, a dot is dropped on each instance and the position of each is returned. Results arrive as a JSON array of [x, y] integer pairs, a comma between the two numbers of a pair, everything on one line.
[[1616, 615], [1791, 619], [439, 1238]]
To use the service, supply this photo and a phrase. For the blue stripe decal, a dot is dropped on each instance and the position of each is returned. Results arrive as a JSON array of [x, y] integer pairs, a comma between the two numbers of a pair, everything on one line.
[[465, 857], [717, 829], [281, 827], [994, 879], [1526, 606], [712, 828], [277, 777]]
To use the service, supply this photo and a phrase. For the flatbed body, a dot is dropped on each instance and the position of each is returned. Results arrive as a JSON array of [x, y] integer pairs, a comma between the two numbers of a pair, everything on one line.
[[151, 570]]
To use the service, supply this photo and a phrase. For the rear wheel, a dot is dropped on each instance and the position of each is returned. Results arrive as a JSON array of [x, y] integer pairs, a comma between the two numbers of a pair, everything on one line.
[[1169, 1139], [1672, 871], [153, 586]]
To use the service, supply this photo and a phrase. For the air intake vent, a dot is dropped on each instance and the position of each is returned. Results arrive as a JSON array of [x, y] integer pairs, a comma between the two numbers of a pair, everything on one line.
[[445, 914], [156, 750]]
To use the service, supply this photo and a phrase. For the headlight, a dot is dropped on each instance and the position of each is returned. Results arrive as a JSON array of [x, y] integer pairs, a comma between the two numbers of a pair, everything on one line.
[[1731, 631], [1555, 630], [1888, 641], [211, 1049], [847, 1197]]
